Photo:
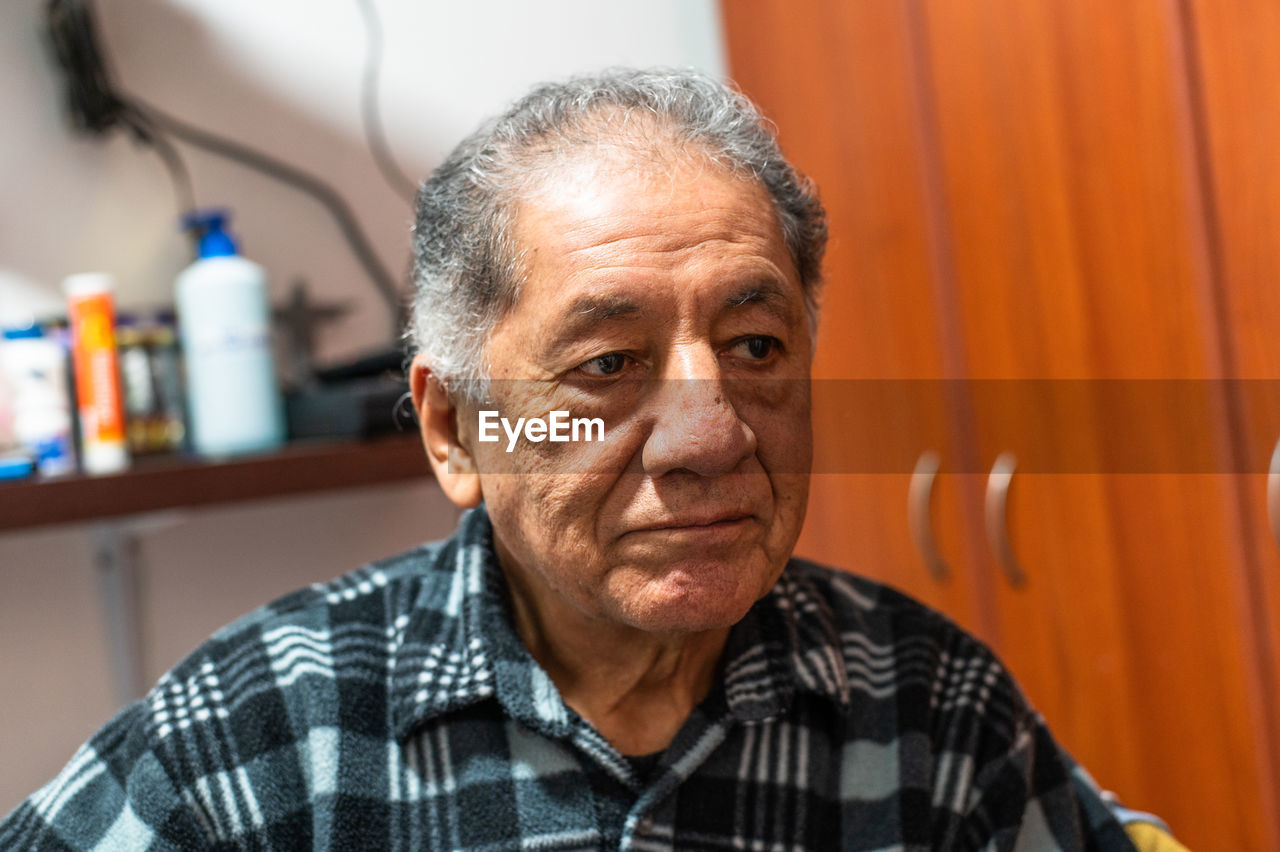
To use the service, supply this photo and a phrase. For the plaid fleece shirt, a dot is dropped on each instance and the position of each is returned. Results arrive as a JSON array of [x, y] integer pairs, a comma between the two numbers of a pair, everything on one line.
[[395, 708]]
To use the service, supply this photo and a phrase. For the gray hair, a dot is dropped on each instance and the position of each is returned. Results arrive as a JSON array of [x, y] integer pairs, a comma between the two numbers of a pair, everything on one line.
[[468, 268]]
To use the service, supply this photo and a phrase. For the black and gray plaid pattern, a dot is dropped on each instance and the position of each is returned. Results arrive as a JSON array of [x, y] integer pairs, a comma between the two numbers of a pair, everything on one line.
[[395, 708]]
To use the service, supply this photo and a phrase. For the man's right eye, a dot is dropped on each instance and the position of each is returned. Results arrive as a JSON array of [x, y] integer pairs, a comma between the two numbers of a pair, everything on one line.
[[604, 365]]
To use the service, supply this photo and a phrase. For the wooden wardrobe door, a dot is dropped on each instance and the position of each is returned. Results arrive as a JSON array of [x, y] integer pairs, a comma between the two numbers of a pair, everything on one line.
[[1018, 192], [1072, 209], [1234, 62], [837, 79]]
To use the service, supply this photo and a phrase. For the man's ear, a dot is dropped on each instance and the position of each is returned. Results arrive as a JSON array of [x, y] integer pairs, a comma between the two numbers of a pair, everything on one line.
[[438, 419]]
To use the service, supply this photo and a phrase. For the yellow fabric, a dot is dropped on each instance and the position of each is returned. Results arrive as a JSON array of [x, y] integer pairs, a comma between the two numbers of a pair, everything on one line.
[[1149, 837]]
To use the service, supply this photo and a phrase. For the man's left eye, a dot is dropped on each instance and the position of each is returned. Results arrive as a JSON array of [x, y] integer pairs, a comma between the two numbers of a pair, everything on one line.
[[757, 347], [604, 365]]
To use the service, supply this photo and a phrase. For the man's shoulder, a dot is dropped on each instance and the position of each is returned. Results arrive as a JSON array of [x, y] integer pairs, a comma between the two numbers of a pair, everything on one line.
[[283, 654], [360, 596], [357, 595], [230, 737], [895, 649], [948, 707], [878, 612]]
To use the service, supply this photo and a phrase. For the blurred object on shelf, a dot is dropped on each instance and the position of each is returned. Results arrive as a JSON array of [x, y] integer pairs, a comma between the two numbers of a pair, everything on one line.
[[97, 372], [15, 468], [34, 365], [152, 378], [8, 441], [300, 318], [233, 395], [357, 399], [354, 399]]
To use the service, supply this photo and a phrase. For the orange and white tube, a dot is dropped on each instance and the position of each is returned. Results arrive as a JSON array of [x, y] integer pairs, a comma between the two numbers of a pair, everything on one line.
[[97, 369]]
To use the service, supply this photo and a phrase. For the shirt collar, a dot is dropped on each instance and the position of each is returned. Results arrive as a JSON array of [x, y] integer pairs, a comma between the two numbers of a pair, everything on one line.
[[788, 643], [457, 645]]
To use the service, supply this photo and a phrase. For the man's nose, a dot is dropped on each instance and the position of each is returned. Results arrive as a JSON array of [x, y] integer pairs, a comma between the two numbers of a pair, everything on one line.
[[695, 425]]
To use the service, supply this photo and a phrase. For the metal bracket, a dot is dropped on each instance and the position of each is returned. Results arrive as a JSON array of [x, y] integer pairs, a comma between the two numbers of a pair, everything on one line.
[[115, 556]]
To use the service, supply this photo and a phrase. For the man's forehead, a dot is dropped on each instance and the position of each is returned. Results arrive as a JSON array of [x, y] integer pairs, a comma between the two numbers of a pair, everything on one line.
[[614, 212], [608, 239]]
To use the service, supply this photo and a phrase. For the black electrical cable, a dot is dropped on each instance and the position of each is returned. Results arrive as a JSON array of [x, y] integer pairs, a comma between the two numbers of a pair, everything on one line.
[[296, 178], [370, 116], [93, 104], [91, 99], [179, 176], [96, 107]]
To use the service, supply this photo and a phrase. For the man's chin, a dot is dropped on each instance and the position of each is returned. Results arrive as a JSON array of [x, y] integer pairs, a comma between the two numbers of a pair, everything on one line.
[[697, 602], [686, 624]]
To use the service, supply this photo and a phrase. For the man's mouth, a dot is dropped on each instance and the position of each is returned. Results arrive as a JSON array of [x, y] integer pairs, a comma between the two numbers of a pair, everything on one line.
[[710, 523]]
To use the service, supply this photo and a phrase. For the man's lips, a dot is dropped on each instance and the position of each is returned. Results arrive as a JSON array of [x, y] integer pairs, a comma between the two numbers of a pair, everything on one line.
[[702, 521]]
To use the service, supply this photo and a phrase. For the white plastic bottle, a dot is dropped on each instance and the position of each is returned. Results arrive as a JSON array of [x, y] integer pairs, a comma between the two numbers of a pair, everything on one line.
[[224, 320]]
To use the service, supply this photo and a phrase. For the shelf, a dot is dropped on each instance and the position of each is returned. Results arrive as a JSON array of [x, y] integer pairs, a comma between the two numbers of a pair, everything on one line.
[[152, 485]]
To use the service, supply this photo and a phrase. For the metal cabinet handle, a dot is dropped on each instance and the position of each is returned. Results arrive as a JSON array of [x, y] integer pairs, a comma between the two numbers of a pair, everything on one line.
[[919, 516], [1273, 494], [997, 511]]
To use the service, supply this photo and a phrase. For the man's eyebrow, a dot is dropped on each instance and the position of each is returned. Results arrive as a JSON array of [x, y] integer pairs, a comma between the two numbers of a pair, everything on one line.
[[591, 310], [584, 314], [769, 296], [596, 308]]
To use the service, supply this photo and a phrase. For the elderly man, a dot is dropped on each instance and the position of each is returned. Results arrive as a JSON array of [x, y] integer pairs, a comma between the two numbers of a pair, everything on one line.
[[616, 649]]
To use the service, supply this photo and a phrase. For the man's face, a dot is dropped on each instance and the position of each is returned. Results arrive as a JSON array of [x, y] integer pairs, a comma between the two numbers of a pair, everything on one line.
[[664, 301]]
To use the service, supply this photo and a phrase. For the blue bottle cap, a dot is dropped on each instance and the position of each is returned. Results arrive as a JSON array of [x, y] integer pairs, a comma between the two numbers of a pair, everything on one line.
[[211, 225]]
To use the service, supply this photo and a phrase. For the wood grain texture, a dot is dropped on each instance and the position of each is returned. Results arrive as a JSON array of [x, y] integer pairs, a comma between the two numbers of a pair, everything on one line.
[[161, 484], [836, 79], [1072, 197], [1027, 177], [1234, 57]]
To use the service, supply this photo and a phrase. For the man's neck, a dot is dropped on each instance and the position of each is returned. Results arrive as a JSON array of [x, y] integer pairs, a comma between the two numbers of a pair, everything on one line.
[[637, 688]]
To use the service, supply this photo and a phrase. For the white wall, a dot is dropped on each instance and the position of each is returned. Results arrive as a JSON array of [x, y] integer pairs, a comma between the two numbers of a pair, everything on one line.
[[283, 76]]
